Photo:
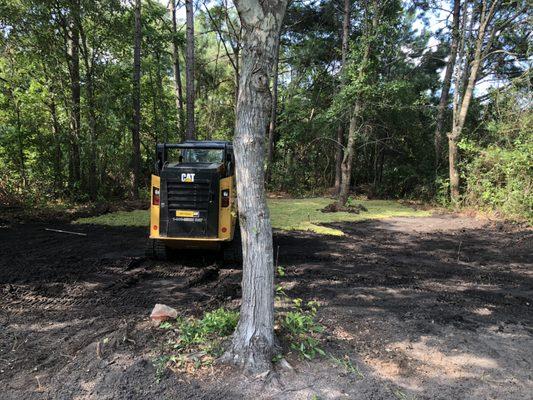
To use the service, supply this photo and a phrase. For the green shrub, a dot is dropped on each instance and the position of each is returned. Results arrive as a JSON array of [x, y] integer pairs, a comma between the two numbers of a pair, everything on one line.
[[502, 179], [498, 166]]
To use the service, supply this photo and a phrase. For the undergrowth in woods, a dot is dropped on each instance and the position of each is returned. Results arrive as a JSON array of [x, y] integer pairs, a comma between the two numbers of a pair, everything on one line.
[[287, 214], [193, 343]]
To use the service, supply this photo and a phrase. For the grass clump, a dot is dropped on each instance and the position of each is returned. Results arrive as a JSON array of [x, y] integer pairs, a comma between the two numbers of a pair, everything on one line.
[[346, 364], [286, 214], [195, 343], [119, 218]]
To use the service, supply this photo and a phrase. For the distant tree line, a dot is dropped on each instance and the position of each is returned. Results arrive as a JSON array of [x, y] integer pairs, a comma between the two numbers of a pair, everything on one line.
[[384, 98]]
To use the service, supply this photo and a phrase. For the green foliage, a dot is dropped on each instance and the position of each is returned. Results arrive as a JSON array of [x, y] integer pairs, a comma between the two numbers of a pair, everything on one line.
[[36, 141], [397, 81], [194, 342], [442, 195], [391, 156], [299, 325], [160, 363], [498, 169], [301, 328], [203, 332], [502, 179]]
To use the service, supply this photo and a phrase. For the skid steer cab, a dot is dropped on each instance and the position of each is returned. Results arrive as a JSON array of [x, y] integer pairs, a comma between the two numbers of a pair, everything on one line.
[[193, 201]]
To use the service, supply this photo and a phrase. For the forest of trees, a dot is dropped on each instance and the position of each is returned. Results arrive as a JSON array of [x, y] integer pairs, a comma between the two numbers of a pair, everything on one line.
[[410, 99]]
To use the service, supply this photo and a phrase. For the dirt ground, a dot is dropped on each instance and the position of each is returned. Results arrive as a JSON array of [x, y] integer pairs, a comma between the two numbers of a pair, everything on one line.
[[425, 308]]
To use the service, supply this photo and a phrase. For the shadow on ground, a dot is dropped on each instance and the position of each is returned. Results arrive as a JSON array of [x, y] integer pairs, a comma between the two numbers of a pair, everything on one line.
[[436, 307]]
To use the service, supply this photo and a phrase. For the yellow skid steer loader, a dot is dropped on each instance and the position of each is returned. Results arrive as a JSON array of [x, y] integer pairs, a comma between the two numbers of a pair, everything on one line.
[[193, 200]]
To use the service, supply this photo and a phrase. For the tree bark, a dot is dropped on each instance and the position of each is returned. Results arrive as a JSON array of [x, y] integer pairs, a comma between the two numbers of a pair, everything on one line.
[[253, 341], [136, 127], [189, 71], [178, 89], [91, 114], [446, 84], [340, 129], [273, 113], [356, 116], [454, 171], [347, 160], [20, 139], [56, 129], [75, 92], [461, 109]]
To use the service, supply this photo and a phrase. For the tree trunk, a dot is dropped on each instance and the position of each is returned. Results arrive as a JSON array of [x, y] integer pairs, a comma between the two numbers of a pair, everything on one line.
[[155, 107], [340, 129], [20, 139], [443, 103], [135, 132], [273, 114], [461, 110], [158, 89], [347, 160], [253, 341], [339, 154], [454, 171], [75, 108], [189, 71], [356, 117], [178, 90], [56, 129], [91, 114]]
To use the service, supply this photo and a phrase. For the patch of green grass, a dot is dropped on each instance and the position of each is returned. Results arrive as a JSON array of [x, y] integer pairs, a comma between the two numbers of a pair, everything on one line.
[[287, 214], [119, 218], [305, 214]]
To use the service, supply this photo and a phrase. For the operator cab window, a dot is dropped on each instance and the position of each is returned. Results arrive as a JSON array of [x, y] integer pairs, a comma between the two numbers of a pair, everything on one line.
[[202, 156], [194, 156]]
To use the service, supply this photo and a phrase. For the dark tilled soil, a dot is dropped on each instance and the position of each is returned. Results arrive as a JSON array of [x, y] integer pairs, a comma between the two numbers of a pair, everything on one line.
[[426, 308]]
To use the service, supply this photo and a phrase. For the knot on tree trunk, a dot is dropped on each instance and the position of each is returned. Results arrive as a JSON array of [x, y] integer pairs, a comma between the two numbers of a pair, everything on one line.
[[260, 80], [452, 136]]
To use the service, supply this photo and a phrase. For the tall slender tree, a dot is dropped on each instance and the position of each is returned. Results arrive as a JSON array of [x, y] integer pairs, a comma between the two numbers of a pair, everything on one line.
[[73, 57], [446, 83], [136, 125], [88, 56], [273, 112], [253, 341], [178, 91], [189, 70], [373, 12], [487, 21], [340, 129]]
